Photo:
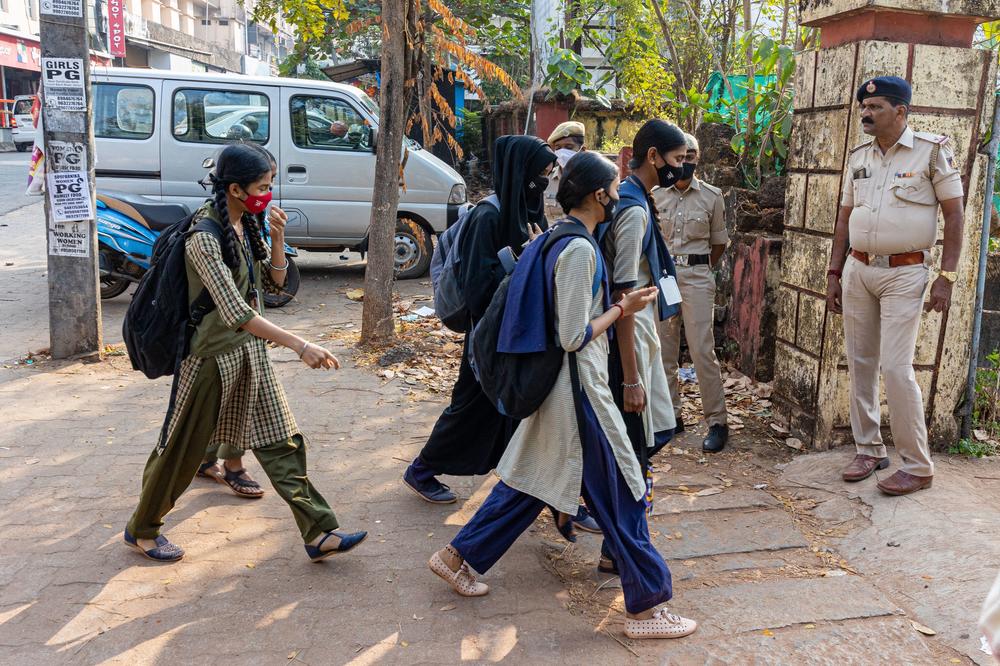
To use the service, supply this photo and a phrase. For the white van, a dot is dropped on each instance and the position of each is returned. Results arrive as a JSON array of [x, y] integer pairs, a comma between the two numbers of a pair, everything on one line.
[[22, 128], [155, 130]]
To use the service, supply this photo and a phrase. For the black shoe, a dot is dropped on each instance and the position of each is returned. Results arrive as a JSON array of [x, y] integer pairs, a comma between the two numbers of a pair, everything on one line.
[[718, 435], [679, 428]]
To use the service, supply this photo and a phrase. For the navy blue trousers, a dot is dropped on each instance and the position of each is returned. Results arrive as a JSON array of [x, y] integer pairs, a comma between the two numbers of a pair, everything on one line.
[[507, 513]]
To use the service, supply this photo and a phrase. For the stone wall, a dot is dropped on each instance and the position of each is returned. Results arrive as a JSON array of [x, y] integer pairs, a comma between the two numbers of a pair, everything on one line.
[[950, 96], [750, 270]]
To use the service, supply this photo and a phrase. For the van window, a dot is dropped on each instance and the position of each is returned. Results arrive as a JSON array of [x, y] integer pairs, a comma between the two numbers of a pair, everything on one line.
[[123, 111], [326, 123], [22, 107], [213, 116]]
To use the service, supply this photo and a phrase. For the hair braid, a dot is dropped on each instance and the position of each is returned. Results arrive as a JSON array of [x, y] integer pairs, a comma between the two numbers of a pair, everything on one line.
[[253, 229], [230, 253]]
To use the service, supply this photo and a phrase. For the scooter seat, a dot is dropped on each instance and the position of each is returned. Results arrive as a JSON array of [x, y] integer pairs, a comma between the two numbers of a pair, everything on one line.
[[154, 214]]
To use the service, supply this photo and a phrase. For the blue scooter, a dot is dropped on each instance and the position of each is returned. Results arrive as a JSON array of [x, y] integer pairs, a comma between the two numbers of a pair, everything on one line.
[[127, 227]]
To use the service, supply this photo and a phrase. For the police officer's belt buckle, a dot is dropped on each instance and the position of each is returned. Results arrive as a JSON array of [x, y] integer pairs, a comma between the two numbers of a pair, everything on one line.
[[681, 260], [878, 260]]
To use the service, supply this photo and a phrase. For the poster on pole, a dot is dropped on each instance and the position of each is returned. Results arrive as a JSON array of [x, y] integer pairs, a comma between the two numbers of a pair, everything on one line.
[[116, 28], [63, 85], [69, 196], [71, 239], [63, 7]]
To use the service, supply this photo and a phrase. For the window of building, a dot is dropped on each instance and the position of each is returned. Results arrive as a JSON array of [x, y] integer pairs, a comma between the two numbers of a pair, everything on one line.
[[123, 111], [325, 123], [220, 116], [206, 22], [221, 21], [32, 8]]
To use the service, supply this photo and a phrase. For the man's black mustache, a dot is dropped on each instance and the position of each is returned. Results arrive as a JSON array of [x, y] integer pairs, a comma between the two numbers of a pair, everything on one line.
[[868, 121]]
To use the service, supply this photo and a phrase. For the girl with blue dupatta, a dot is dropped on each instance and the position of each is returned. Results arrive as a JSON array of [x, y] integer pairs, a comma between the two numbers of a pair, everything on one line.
[[577, 439]]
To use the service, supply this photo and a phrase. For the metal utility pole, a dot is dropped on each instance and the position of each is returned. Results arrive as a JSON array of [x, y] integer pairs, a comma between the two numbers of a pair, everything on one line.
[[74, 303], [546, 20]]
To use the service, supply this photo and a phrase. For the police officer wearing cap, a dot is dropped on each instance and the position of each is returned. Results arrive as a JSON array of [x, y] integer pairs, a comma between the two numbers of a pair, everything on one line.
[[892, 188], [692, 220], [566, 140]]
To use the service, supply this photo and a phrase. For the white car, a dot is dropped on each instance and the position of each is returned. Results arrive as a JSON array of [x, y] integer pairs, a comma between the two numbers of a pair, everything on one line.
[[22, 127]]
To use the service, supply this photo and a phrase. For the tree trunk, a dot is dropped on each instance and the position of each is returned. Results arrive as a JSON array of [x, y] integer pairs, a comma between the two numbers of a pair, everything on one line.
[[377, 323], [751, 83]]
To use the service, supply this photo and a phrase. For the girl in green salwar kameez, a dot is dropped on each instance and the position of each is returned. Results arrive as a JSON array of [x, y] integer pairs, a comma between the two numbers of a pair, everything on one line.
[[227, 393]]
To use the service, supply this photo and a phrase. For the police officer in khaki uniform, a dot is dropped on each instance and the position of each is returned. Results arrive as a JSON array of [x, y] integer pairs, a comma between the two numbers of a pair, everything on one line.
[[691, 218], [892, 188], [566, 140]]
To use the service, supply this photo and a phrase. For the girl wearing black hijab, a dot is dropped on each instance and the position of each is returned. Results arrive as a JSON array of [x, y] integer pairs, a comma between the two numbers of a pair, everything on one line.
[[470, 435]]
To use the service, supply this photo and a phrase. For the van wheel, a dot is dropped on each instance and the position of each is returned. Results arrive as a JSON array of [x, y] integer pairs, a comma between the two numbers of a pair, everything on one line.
[[22, 147], [413, 249], [290, 289]]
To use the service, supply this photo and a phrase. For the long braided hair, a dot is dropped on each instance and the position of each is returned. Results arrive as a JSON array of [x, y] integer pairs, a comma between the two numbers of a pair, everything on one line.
[[242, 165]]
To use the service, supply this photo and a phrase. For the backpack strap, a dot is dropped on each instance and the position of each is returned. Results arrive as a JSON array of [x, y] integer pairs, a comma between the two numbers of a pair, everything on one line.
[[203, 303]]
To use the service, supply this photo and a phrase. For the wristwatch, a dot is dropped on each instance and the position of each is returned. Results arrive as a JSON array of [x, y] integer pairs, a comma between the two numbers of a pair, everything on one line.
[[950, 276]]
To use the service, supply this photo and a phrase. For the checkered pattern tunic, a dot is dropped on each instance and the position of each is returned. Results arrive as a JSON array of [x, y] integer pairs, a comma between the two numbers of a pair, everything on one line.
[[254, 411]]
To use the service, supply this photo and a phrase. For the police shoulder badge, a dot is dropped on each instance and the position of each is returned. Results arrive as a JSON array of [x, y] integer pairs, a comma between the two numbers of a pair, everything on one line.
[[870, 87]]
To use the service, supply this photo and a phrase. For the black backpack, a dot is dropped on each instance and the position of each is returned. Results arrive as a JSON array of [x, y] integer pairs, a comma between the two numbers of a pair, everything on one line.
[[159, 321], [518, 384]]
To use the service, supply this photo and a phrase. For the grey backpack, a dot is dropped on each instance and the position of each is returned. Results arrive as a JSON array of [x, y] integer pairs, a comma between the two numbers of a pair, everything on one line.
[[449, 303]]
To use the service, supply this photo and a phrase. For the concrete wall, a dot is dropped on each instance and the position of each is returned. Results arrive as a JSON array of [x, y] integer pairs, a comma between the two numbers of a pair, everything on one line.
[[952, 95]]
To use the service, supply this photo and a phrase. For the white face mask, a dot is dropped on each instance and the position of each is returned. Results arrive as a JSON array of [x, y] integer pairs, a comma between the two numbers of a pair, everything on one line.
[[563, 155]]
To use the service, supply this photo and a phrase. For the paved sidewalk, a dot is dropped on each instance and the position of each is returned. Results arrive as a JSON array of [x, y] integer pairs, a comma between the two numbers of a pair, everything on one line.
[[787, 572]]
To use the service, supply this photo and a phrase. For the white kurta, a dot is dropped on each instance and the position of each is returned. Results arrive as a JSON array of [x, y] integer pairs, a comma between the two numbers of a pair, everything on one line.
[[545, 457], [631, 266]]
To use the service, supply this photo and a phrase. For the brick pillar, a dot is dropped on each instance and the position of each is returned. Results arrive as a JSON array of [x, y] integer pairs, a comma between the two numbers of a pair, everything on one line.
[[953, 95]]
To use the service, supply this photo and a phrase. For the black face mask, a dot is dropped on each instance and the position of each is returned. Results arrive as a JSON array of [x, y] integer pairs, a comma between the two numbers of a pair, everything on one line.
[[609, 210], [689, 168], [536, 187], [668, 175]]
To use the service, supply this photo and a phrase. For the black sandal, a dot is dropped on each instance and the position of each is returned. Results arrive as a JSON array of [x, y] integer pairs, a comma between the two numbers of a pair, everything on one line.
[[565, 530], [240, 484]]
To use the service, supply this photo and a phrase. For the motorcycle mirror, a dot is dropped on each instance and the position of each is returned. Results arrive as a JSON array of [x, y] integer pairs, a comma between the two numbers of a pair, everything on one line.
[[208, 163]]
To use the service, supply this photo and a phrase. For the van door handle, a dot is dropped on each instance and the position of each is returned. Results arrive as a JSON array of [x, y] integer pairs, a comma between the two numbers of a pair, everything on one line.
[[297, 174]]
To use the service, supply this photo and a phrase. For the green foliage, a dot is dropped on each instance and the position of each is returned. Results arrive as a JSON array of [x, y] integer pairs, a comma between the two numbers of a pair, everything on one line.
[[973, 448], [565, 73], [472, 132], [613, 144], [311, 70]]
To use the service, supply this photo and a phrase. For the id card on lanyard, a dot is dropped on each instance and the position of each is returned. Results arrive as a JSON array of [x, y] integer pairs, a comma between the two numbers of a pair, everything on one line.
[[256, 302]]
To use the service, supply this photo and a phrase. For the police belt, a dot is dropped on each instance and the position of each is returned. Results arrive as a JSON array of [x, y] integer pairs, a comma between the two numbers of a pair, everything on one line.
[[691, 259]]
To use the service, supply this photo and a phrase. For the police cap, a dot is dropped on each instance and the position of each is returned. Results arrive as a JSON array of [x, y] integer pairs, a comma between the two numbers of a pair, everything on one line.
[[886, 86]]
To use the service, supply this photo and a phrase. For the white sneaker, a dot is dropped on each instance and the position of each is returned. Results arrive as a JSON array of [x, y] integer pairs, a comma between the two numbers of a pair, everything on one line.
[[462, 581], [662, 625]]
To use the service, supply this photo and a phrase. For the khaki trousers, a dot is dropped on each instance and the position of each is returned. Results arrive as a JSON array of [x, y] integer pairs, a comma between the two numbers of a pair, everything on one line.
[[697, 287], [881, 318]]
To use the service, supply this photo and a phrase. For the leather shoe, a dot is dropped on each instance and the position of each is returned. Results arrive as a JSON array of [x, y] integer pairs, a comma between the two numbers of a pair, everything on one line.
[[904, 483], [864, 466], [718, 435]]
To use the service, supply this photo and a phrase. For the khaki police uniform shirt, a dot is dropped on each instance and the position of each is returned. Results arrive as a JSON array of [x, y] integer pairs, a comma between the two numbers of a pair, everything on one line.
[[894, 200], [693, 220]]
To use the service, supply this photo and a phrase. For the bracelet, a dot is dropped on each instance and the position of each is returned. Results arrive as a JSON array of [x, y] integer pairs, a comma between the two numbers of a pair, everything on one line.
[[630, 386], [620, 309], [836, 272], [303, 350], [278, 268]]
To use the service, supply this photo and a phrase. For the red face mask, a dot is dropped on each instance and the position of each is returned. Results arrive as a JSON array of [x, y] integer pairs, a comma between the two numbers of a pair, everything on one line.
[[256, 203]]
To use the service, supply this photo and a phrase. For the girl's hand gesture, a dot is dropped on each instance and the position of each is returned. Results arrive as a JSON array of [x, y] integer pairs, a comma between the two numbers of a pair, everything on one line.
[[534, 231], [636, 300], [277, 219], [317, 357]]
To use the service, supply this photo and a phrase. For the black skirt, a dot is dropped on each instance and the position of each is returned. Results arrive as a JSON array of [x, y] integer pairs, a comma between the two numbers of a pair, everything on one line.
[[470, 436]]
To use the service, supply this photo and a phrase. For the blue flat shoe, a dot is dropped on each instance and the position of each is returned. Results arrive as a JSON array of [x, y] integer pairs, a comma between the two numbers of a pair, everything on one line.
[[347, 542], [164, 551], [432, 491], [584, 521]]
